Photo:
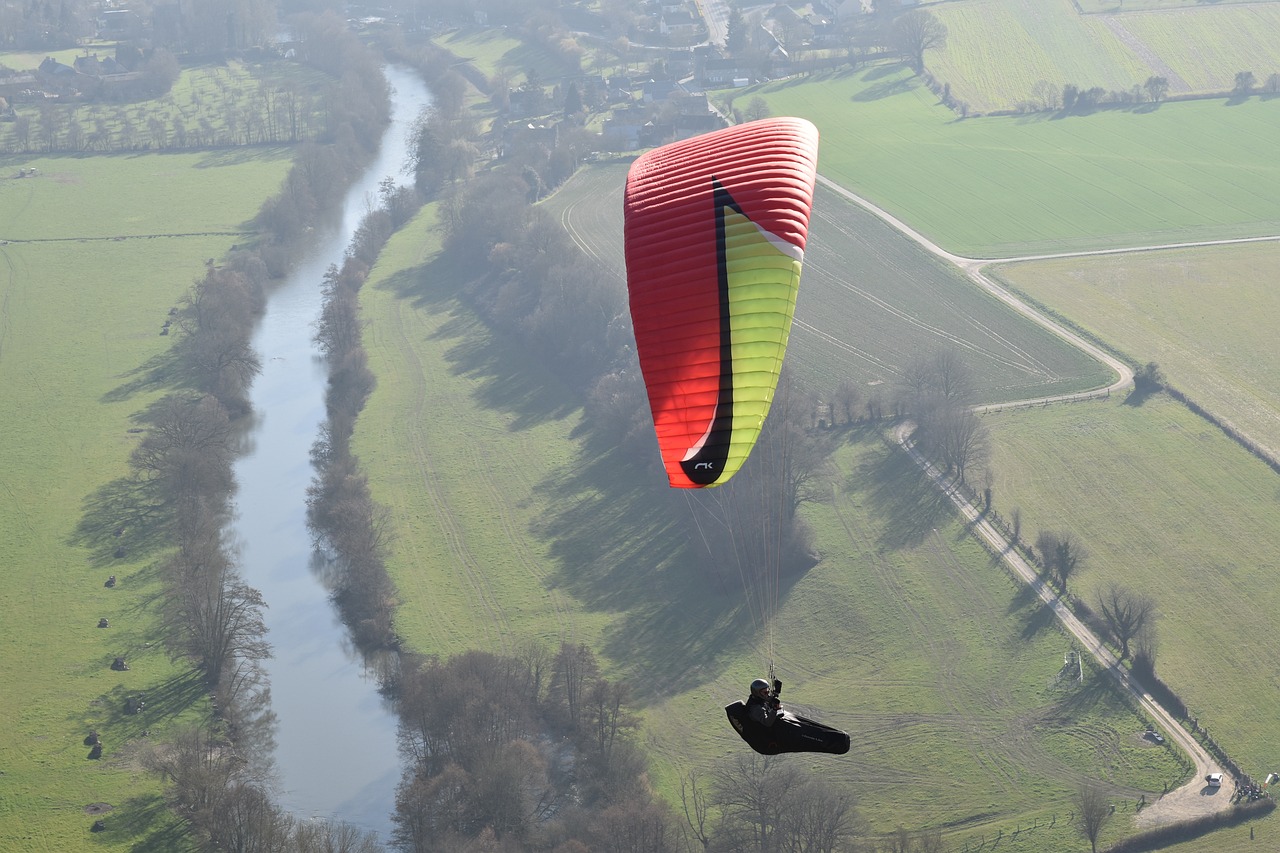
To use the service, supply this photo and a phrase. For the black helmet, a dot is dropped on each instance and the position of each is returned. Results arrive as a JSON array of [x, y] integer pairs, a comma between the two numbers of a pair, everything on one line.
[[758, 685]]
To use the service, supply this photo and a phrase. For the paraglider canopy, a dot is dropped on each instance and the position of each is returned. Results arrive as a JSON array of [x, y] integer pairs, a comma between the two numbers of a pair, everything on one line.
[[715, 230]]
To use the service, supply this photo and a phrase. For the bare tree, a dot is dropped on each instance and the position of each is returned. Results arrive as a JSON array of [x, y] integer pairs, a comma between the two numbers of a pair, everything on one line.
[[1127, 613], [1061, 553], [1095, 811], [845, 401], [750, 792], [960, 439], [697, 807], [916, 31]]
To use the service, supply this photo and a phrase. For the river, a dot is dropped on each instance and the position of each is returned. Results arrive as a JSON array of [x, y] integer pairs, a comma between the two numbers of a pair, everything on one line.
[[335, 752]]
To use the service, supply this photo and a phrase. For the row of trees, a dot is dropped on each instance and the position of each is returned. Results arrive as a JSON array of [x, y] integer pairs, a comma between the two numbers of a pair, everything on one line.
[[530, 750], [218, 770], [269, 117]]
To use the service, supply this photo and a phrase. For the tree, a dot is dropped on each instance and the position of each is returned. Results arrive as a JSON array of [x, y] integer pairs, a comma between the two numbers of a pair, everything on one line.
[[736, 40], [1095, 811], [757, 108], [1061, 554], [915, 32], [960, 439], [1245, 82], [1047, 95], [1157, 88], [1127, 613], [1148, 379]]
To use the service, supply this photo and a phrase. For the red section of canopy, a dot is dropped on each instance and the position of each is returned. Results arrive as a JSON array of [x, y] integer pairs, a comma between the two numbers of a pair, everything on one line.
[[768, 168]]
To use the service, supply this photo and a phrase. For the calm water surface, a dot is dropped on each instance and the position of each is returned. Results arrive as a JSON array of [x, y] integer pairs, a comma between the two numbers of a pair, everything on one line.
[[336, 738]]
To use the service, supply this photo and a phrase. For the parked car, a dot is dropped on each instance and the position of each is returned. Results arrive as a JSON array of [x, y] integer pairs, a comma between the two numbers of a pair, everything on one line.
[[1214, 780]]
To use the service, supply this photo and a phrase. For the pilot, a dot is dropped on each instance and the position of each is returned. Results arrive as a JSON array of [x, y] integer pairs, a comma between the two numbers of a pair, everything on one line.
[[763, 704]]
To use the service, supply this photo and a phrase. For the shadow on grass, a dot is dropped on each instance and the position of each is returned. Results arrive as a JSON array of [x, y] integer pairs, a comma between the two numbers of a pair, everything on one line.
[[620, 539], [904, 502], [885, 89], [1097, 688], [506, 378], [624, 543], [123, 520], [162, 372], [1137, 396], [146, 824], [112, 714]]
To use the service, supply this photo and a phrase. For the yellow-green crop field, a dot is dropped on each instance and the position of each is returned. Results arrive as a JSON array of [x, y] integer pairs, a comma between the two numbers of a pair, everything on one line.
[[1208, 316], [86, 285], [997, 51]]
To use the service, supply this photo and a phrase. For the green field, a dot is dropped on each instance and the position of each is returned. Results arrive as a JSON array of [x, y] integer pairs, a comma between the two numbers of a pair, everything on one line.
[[997, 51], [81, 309], [1004, 187], [1207, 316], [495, 53], [1164, 503], [1096, 6], [869, 302], [508, 534]]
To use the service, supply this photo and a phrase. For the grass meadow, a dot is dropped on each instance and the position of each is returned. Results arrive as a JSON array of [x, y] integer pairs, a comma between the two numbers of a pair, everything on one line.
[[1206, 315], [510, 525], [496, 53], [997, 51], [869, 302], [1004, 187], [85, 288], [1166, 504]]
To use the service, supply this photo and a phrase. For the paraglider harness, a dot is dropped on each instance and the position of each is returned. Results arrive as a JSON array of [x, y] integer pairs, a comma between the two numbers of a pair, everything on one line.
[[789, 733]]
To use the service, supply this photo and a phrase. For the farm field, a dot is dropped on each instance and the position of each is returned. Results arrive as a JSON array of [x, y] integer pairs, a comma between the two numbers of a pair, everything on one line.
[[1166, 504], [1096, 6], [869, 302], [495, 53], [1207, 316], [997, 51], [217, 104], [80, 317], [510, 535], [1007, 187]]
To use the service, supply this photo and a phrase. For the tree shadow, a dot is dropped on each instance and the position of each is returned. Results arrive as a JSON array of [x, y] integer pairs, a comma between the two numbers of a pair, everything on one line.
[[123, 520], [1096, 689], [507, 381], [164, 371], [146, 824], [1138, 395], [1036, 618], [887, 89], [118, 718], [904, 502], [624, 543], [620, 539]]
